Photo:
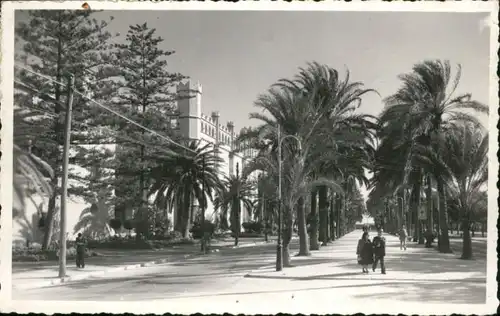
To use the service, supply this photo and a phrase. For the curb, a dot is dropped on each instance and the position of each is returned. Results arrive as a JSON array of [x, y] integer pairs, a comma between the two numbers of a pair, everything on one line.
[[59, 281]]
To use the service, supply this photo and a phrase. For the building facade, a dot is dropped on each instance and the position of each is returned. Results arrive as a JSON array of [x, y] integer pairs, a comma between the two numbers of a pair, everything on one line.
[[193, 124]]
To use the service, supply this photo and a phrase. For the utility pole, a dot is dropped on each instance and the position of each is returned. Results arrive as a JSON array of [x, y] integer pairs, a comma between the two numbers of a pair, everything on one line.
[[64, 194]]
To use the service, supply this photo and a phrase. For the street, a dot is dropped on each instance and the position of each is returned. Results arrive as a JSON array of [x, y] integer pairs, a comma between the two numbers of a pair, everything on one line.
[[210, 273], [416, 275]]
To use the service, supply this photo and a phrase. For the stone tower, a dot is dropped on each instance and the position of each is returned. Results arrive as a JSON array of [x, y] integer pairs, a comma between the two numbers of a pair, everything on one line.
[[189, 106]]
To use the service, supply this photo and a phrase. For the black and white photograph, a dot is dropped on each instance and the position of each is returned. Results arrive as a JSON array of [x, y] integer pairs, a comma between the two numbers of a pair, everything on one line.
[[197, 157]]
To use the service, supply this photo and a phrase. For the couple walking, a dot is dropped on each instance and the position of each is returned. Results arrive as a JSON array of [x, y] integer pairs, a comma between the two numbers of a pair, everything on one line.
[[371, 252]]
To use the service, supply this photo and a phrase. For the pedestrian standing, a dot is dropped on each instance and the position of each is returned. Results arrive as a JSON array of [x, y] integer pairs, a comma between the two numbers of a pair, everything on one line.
[[379, 251], [403, 235], [80, 251], [364, 252]]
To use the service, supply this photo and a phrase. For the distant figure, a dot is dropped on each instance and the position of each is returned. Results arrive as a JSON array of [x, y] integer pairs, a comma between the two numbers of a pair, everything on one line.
[[80, 251], [379, 251], [365, 228], [364, 252], [403, 234]]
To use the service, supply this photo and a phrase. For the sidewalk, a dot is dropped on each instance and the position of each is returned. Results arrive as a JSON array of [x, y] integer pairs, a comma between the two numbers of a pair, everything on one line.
[[29, 275], [418, 274]]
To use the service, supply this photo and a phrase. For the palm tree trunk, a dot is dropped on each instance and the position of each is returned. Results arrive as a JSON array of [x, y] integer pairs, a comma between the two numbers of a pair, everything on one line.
[[414, 204], [236, 228], [466, 241], [332, 217], [186, 218], [179, 214], [314, 245], [444, 238], [336, 219], [192, 215], [323, 215], [428, 196], [302, 229], [287, 238]]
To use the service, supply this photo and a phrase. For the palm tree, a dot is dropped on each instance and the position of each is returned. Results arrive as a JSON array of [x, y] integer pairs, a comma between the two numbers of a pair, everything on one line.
[[346, 137], [467, 159], [315, 105], [183, 176], [30, 174], [235, 190], [95, 223], [422, 109]]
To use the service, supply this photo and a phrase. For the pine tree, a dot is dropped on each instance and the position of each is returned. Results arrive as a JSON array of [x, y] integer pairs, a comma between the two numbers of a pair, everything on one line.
[[54, 43], [148, 96]]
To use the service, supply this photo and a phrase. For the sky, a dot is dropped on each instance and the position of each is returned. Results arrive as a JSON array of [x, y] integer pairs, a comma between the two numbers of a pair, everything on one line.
[[237, 55]]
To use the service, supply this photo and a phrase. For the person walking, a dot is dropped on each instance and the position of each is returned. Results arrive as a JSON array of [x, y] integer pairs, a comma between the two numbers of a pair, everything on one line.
[[364, 252], [80, 251], [379, 251], [403, 235]]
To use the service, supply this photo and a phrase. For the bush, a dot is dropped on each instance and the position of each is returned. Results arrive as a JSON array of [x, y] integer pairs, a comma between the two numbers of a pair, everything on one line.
[[253, 227], [160, 230], [134, 243], [197, 231], [31, 254], [175, 235], [128, 225], [248, 235], [115, 223]]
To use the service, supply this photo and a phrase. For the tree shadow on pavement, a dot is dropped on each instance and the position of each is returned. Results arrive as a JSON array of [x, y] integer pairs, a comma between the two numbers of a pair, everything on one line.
[[395, 291], [431, 292]]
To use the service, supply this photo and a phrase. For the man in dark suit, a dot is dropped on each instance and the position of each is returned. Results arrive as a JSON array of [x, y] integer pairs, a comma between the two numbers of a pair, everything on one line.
[[378, 243], [80, 251]]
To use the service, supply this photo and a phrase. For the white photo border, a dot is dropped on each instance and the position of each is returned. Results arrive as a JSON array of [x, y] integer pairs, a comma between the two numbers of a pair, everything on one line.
[[320, 304]]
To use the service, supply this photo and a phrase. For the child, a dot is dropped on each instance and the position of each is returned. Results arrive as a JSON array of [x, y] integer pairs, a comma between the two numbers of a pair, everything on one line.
[[402, 237], [379, 251]]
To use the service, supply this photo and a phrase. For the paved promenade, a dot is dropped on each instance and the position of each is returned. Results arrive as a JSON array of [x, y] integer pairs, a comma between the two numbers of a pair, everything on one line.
[[26, 275], [244, 280]]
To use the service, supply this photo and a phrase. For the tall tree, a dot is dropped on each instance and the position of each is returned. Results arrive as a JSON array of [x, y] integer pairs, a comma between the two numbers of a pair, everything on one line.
[[183, 176], [54, 43], [146, 95], [345, 138], [467, 158], [235, 190], [422, 109]]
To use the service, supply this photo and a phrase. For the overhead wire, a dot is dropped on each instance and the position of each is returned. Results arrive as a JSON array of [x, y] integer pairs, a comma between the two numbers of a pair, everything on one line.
[[125, 138], [109, 110]]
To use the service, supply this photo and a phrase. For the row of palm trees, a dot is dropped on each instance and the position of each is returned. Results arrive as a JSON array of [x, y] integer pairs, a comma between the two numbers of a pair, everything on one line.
[[422, 136], [431, 140]]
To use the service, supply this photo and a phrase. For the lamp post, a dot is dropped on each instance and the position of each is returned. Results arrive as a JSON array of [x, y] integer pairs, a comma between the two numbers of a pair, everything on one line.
[[279, 248]]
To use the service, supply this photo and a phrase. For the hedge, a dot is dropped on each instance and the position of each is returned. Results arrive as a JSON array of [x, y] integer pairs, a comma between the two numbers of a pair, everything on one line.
[[31, 254]]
